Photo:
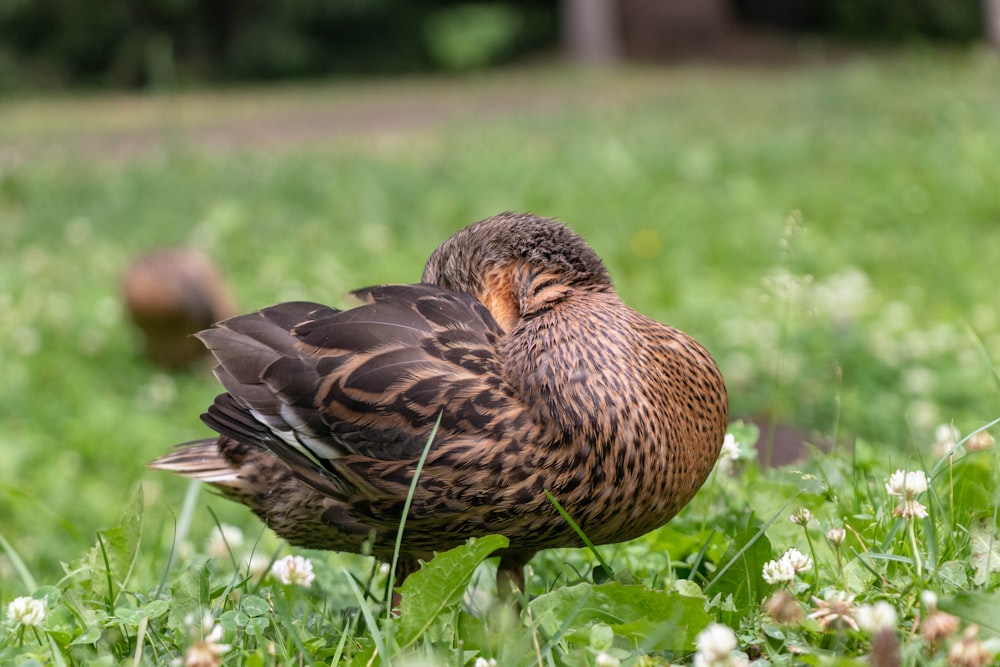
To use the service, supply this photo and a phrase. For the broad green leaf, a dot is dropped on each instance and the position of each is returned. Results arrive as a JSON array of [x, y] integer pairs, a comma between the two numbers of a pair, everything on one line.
[[110, 561], [857, 575], [189, 595], [129, 615], [240, 618], [985, 545], [88, 636], [602, 637], [832, 661], [974, 485], [687, 588], [156, 608], [979, 608], [784, 491], [365, 657], [254, 605], [60, 637], [655, 620], [254, 660], [678, 544], [953, 573], [257, 625], [50, 594], [496, 632], [440, 584], [742, 580]]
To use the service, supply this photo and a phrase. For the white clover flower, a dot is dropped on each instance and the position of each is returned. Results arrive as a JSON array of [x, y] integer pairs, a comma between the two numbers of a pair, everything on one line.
[[929, 599], [605, 659], [911, 509], [159, 392], [730, 447], [980, 441], [223, 540], [801, 516], [843, 295], [715, 643], [907, 486], [836, 536], [205, 627], [798, 561], [483, 662], [26, 611], [946, 436], [729, 454], [778, 571], [294, 570], [923, 412], [208, 651], [876, 617]]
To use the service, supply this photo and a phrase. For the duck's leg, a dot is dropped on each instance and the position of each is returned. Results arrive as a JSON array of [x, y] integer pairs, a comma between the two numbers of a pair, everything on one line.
[[510, 573]]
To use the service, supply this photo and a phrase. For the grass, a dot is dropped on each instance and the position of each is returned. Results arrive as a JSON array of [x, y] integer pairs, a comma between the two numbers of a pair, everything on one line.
[[829, 233]]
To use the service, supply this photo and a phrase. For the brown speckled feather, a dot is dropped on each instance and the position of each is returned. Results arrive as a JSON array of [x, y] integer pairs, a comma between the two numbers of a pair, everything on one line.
[[543, 379]]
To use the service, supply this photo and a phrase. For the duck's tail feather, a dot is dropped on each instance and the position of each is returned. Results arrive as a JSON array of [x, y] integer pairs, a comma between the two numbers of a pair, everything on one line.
[[199, 459]]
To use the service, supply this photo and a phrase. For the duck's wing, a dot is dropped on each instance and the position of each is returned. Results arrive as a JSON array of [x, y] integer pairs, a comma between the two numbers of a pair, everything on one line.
[[315, 385]]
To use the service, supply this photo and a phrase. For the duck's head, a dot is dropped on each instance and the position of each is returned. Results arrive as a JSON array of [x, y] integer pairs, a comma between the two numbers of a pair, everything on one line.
[[517, 264]]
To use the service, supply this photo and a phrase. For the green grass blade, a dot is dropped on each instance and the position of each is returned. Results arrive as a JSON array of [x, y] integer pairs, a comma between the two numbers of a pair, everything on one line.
[[406, 509], [187, 511], [57, 656], [700, 557], [110, 602], [339, 651], [166, 567], [377, 637], [22, 570], [746, 547], [579, 531]]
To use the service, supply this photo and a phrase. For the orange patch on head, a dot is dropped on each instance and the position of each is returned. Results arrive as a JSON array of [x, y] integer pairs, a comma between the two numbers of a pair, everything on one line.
[[497, 294]]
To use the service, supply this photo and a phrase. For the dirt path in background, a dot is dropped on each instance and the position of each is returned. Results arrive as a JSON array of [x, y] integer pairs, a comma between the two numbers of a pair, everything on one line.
[[128, 126], [124, 127]]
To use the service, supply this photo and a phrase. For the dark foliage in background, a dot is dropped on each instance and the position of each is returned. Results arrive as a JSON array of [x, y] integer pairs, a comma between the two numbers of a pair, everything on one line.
[[118, 43], [884, 20], [944, 20], [47, 43]]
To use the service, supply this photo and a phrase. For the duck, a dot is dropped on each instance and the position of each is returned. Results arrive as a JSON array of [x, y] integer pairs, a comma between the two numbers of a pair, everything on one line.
[[517, 353], [169, 294]]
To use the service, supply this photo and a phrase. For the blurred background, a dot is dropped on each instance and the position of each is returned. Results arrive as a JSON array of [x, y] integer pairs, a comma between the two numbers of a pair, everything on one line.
[[54, 43], [810, 188]]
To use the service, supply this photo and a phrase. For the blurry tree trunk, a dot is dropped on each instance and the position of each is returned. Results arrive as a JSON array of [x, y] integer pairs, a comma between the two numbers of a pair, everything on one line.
[[664, 29], [991, 20], [591, 30]]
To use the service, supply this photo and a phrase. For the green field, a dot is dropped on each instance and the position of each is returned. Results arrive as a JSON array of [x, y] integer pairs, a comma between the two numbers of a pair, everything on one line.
[[831, 233]]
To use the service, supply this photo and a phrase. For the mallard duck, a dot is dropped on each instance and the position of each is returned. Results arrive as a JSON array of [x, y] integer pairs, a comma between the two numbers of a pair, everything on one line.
[[170, 294], [542, 378]]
